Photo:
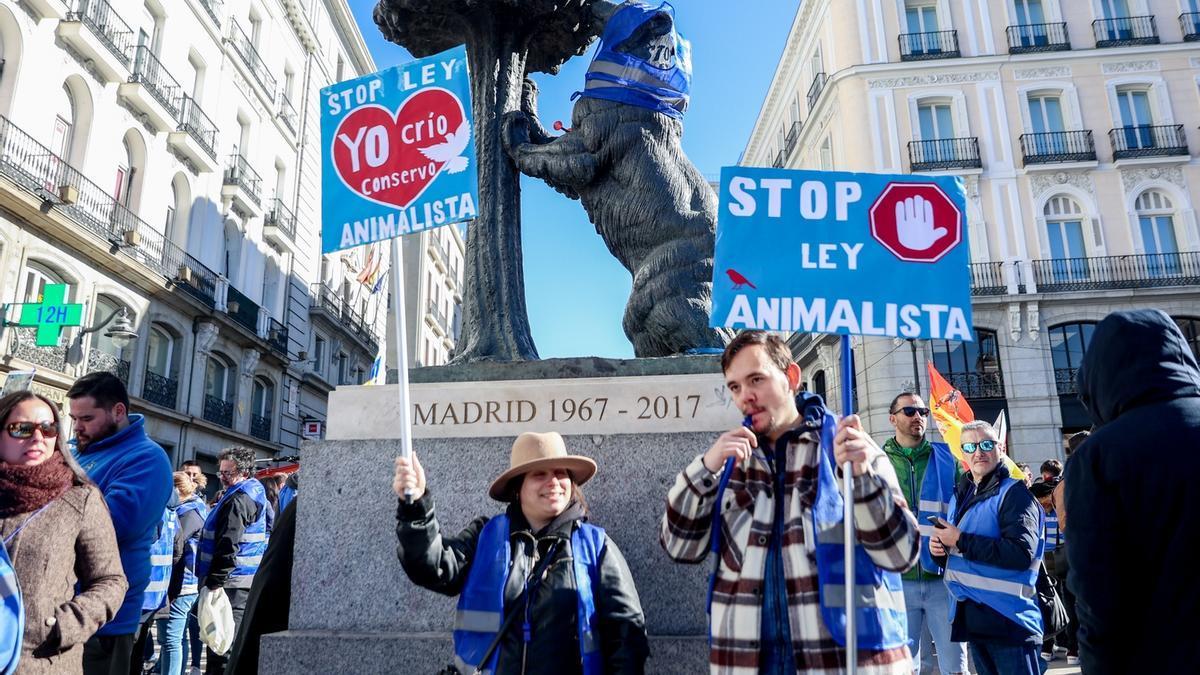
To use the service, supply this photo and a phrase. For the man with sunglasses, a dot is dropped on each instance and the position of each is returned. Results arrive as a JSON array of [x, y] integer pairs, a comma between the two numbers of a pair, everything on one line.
[[134, 474], [927, 473], [992, 550]]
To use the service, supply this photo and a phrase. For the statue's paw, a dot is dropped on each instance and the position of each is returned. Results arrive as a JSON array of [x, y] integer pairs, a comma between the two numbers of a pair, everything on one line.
[[515, 130]]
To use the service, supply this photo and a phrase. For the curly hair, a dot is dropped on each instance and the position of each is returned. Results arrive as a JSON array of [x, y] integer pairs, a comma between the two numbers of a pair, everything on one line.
[[243, 459]]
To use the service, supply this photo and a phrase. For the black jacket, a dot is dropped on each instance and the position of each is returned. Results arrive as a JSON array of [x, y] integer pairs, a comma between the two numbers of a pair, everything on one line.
[[1131, 498], [554, 645], [269, 602], [234, 516], [1019, 516]]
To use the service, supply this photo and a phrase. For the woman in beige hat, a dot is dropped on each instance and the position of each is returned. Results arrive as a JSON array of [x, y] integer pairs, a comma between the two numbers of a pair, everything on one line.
[[540, 589]]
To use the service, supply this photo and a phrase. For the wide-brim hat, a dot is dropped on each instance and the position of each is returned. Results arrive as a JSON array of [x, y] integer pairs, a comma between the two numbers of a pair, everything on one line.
[[533, 451]]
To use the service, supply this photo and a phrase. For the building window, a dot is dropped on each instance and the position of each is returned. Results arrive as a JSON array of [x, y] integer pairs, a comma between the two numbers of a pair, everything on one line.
[[819, 387], [972, 367], [1190, 327], [219, 381], [827, 154], [262, 400], [1064, 234], [37, 277], [1156, 225], [936, 120], [104, 354], [343, 372], [161, 385], [1137, 117], [1068, 343], [319, 354]]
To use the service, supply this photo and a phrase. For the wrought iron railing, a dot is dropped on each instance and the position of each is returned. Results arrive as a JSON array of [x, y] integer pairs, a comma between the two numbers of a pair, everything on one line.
[[1125, 30], [779, 160], [100, 361], [942, 44], [326, 300], [945, 153], [51, 358], [977, 385], [1189, 23], [438, 317], [102, 19], [260, 427], [1038, 37], [287, 113], [239, 173], [249, 55], [213, 9], [1058, 146], [1064, 381], [1154, 270], [160, 390], [281, 217], [1147, 140], [242, 309], [987, 278], [815, 89], [151, 74], [218, 411], [277, 337], [198, 125], [792, 137]]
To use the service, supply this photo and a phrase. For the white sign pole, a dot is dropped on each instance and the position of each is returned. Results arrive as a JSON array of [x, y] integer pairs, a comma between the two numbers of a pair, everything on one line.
[[848, 520], [401, 356]]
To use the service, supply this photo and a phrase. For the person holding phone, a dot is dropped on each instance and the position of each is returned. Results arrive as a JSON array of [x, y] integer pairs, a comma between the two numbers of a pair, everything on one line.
[[992, 549]]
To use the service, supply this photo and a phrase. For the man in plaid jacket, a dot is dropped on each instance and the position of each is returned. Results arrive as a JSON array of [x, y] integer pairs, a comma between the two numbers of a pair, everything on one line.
[[767, 613]]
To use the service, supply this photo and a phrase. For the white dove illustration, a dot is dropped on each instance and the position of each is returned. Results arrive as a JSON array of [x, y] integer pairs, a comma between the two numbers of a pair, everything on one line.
[[451, 151]]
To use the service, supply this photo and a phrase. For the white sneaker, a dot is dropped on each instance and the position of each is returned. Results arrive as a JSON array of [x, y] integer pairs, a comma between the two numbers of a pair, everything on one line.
[[1072, 660], [1047, 656]]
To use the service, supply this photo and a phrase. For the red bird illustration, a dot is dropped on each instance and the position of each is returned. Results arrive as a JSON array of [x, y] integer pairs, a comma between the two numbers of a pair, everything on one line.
[[739, 280]]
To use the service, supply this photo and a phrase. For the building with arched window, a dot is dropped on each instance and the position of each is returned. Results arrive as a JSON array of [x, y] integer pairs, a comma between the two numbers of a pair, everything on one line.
[[135, 135], [1074, 128]]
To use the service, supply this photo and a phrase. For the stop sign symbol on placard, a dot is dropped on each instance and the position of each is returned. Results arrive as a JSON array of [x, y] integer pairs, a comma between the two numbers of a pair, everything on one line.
[[917, 222]]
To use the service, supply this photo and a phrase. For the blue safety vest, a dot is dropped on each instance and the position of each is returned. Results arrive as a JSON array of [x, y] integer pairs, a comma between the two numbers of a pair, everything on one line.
[[663, 85], [481, 605], [937, 491], [161, 552], [191, 584], [12, 615], [1053, 535], [1011, 593], [254, 539]]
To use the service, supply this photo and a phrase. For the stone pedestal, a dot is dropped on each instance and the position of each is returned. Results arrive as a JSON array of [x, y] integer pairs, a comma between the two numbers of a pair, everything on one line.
[[353, 609]]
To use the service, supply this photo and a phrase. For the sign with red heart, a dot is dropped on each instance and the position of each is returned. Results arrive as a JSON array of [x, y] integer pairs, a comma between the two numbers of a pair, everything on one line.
[[398, 152]]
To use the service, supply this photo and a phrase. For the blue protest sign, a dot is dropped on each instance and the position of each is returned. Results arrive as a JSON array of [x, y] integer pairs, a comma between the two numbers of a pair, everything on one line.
[[844, 253], [399, 153]]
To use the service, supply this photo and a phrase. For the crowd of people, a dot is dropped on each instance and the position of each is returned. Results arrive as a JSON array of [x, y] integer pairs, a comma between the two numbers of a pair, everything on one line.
[[102, 541]]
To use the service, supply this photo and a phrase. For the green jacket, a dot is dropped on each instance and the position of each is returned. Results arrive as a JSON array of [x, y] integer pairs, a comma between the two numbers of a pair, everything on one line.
[[910, 468]]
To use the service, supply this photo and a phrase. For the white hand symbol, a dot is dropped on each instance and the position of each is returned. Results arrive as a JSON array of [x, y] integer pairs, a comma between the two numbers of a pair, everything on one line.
[[914, 224]]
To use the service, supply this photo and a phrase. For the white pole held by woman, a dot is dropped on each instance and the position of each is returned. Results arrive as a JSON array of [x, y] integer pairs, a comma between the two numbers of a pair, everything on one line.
[[405, 418], [848, 516]]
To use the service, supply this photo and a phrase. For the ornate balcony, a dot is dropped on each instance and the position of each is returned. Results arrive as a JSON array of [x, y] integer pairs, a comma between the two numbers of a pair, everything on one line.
[[1057, 147], [1119, 272], [196, 136], [213, 9], [218, 411], [1125, 31], [978, 384], [987, 278], [242, 310], [251, 60], [50, 358], [93, 29], [815, 89], [98, 361], [792, 137], [160, 390], [277, 337], [1064, 381], [1148, 141], [242, 187], [287, 113], [1189, 24], [260, 427], [279, 225], [942, 44], [943, 154], [152, 91], [1038, 37], [339, 312]]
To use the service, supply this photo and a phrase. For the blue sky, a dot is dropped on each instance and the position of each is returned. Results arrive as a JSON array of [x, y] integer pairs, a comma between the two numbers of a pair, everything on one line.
[[576, 291]]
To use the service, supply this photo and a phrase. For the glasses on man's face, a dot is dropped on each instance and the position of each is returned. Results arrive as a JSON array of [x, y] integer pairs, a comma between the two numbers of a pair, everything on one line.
[[24, 430], [986, 446], [912, 411], [228, 474]]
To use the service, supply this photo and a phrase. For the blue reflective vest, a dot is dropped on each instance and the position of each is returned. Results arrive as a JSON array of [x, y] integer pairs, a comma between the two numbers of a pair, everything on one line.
[[937, 491], [191, 584], [480, 610], [663, 85], [254, 539], [12, 615], [161, 552], [1053, 536], [880, 618], [1011, 593]]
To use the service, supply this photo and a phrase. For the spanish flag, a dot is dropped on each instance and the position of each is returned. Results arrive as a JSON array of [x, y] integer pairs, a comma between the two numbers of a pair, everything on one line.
[[950, 411]]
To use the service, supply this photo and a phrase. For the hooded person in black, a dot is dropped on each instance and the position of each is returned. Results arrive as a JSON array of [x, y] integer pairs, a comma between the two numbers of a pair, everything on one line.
[[1134, 527]]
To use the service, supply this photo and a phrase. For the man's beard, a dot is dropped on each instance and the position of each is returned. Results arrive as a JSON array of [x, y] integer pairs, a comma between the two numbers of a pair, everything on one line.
[[108, 430]]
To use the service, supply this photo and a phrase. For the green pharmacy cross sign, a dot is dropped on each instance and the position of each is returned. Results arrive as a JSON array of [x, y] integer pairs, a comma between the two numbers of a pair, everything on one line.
[[52, 315]]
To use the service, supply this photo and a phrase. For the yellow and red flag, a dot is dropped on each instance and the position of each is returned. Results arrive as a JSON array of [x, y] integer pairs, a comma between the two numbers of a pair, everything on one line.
[[950, 411]]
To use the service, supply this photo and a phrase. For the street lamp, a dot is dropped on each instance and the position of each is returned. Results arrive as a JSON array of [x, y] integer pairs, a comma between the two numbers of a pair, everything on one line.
[[122, 334]]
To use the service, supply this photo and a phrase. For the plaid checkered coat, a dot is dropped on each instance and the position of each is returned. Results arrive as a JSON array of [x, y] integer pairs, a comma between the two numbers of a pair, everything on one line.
[[886, 529]]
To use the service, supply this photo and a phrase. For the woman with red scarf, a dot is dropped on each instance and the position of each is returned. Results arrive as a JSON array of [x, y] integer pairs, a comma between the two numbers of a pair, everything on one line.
[[57, 531]]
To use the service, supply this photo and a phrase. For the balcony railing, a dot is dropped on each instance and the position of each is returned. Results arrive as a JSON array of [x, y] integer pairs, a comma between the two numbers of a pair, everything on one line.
[[1058, 146], [218, 411], [213, 9], [101, 19], [325, 299], [978, 385], [942, 44], [287, 113], [792, 137], [987, 278], [1064, 381], [944, 153], [1148, 141], [198, 125], [1155, 270], [281, 217], [1038, 37], [242, 310], [277, 337], [239, 173], [50, 358], [47, 176], [1189, 24], [779, 160], [1125, 31], [249, 55], [150, 73], [100, 361], [438, 317], [160, 390], [260, 427], [815, 89]]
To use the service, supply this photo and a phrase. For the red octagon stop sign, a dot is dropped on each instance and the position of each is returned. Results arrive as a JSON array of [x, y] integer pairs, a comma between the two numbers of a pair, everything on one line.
[[917, 222]]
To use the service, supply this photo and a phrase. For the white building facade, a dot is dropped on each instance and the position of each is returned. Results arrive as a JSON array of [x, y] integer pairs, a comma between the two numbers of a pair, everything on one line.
[[1074, 125], [163, 156], [433, 267]]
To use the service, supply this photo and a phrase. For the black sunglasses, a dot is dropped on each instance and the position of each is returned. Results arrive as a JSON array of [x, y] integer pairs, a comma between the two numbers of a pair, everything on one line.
[[912, 410], [23, 430], [986, 446]]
